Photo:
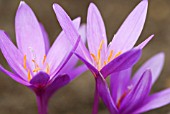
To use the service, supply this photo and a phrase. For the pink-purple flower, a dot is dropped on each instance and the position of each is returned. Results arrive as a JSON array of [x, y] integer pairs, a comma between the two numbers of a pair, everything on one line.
[[118, 55], [44, 70], [132, 96], [103, 59]]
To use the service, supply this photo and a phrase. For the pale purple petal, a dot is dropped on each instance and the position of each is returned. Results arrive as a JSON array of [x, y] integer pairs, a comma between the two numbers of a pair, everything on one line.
[[119, 82], [130, 30], [156, 100], [56, 84], [96, 32], [105, 95], [144, 43], [122, 62], [46, 39], [137, 94], [155, 64], [40, 79], [15, 77], [70, 31], [82, 31], [75, 72], [12, 55], [65, 59], [60, 49], [70, 64], [28, 34]]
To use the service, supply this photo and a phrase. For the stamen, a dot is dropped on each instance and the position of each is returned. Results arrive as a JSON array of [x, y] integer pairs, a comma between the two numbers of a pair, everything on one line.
[[97, 58], [99, 65], [29, 75], [37, 68], [24, 63], [119, 53], [124, 95], [48, 69], [110, 56], [105, 62], [36, 65], [94, 57], [121, 98], [44, 59], [99, 50]]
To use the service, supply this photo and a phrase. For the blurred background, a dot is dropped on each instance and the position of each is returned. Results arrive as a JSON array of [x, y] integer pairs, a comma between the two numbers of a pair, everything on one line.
[[77, 97]]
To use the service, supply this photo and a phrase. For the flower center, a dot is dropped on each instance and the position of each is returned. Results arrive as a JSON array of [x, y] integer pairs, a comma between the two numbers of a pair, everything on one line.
[[37, 68], [97, 58]]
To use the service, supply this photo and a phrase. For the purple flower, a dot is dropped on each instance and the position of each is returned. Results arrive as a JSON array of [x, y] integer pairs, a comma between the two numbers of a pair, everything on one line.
[[119, 54], [34, 64], [131, 96]]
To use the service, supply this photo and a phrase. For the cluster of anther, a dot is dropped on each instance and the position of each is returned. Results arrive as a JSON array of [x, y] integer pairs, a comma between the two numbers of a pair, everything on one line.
[[37, 68], [97, 59]]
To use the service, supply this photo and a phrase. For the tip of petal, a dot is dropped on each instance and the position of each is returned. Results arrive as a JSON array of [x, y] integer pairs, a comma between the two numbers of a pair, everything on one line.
[[93, 7], [77, 20], [55, 6], [161, 56], [145, 2], [22, 3]]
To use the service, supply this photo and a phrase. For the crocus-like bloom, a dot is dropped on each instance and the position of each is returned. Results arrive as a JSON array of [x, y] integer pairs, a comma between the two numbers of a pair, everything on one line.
[[119, 54], [131, 96], [33, 64]]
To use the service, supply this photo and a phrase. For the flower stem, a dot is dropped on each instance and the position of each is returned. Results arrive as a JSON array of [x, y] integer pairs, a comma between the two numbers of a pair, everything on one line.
[[96, 101], [42, 104]]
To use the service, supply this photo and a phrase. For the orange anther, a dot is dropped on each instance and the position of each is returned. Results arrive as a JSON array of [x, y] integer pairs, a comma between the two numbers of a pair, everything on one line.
[[44, 59], [29, 75], [25, 61], [110, 56], [48, 69], [94, 57], [119, 53]]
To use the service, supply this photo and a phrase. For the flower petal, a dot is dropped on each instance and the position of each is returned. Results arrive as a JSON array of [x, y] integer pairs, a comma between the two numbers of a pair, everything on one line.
[[96, 32], [154, 101], [29, 35], [105, 95], [91, 67], [82, 31], [70, 31], [119, 82], [74, 59], [46, 39], [137, 94], [15, 77], [56, 84], [60, 49], [40, 79], [65, 59], [144, 43], [12, 55], [122, 62], [155, 64], [75, 72], [130, 30]]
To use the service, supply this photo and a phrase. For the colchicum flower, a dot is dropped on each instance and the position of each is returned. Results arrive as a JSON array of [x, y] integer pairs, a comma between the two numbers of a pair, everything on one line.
[[34, 64], [131, 96], [119, 54]]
